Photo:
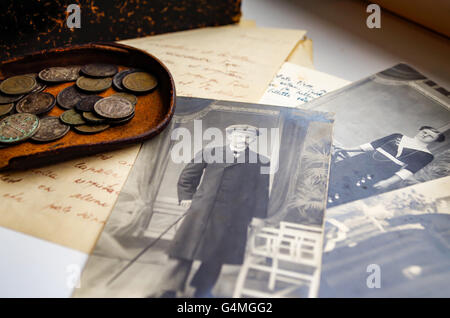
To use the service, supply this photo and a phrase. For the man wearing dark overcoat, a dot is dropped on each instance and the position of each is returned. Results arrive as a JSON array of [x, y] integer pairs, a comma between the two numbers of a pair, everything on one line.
[[223, 198]]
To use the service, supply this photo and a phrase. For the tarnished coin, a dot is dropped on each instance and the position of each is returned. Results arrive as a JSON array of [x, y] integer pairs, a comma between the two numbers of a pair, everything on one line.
[[114, 107], [133, 99], [6, 99], [60, 74], [18, 85], [121, 121], [18, 127], [50, 128], [91, 129], [39, 87], [99, 70], [69, 97], [94, 84], [140, 82], [36, 103], [93, 118], [6, 109], [87, 103], [117, 79], [71, 117]]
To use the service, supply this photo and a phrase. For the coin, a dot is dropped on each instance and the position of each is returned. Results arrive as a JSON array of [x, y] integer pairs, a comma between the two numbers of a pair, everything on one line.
[[17, 85], [18, 127], [99, 70], [69, 97], [94, 84], [71, 117], [50, 128], [117, 79], [114, 107], [121, 121], [93, 118], [6, 109], [39, 87], [133, 99], [6, 99], [87, 103], [60, 74], [91, 129], [139, 82], [36, 103]]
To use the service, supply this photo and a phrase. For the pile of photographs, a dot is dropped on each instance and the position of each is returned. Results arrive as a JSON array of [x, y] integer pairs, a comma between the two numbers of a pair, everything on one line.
[[346, 197]]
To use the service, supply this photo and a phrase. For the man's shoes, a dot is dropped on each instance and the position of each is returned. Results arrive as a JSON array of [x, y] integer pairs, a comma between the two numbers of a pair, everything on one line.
[[203, 294], [169, 294], [164, 294]]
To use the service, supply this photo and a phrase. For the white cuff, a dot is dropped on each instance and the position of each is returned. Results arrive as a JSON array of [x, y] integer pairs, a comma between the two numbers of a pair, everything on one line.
[[404, 174], [366, 147]]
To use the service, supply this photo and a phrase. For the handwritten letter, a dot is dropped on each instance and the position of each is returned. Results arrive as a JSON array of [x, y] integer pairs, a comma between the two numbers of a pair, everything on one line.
[[295, 85], [67, 203], [229, 63]]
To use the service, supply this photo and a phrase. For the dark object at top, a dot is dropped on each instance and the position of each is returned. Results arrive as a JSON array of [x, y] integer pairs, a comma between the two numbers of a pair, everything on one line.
[[35, 25]]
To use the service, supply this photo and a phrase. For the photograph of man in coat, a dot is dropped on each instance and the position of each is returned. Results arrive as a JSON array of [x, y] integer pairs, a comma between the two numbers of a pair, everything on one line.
[[223, 199]]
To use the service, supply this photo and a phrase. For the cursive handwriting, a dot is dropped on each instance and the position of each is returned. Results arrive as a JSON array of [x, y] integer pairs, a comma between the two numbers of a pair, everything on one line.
[[58, 208], [90, 217], [89, 198], [300, 90], [17, 197], [91, 183], [8, 179], [85, 168], [104, 156], [46, 173], [45, 188], [68, 210]]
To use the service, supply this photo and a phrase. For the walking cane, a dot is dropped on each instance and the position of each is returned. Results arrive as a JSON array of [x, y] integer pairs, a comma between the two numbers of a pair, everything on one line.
[[132, 261]]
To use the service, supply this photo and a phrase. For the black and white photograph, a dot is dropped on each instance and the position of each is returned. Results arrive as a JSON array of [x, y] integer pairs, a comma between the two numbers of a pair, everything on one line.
[[392, 130], [396, 244], [228, 202]]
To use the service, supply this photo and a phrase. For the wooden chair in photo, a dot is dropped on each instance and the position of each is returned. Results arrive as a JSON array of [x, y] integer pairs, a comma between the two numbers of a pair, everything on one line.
[[279, 252]]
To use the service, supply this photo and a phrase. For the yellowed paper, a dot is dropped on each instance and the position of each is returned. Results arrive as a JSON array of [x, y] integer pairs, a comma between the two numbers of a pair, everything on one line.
[[247, 23], [230, 63], [69, 203], [302, 54]]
